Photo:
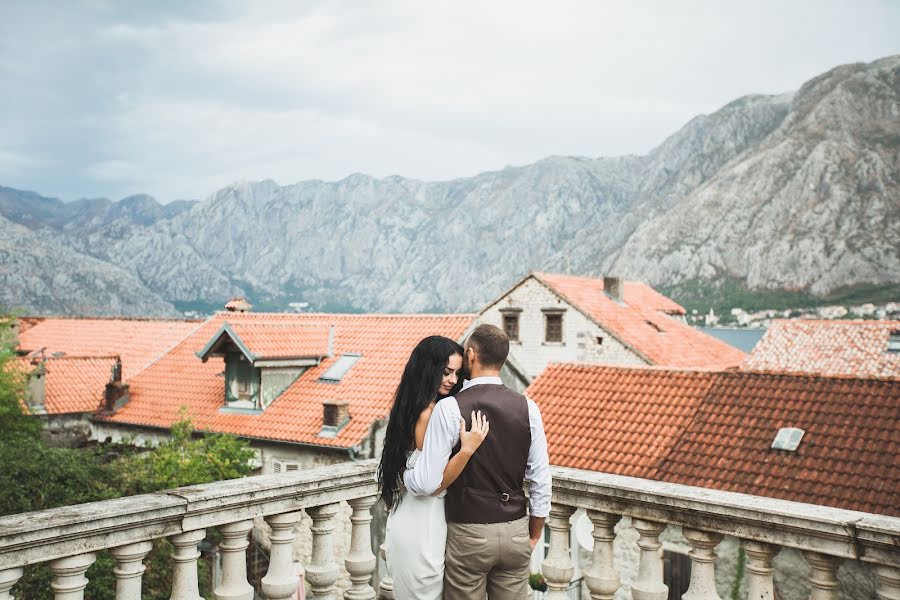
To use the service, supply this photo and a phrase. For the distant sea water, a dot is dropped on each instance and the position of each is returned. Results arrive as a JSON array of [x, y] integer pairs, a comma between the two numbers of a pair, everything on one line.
[[742, 339]]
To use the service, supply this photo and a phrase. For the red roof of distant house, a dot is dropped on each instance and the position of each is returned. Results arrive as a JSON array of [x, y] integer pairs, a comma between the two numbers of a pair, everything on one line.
[[73, 384], [385, 341], [138, 341], [640, 324], [26, 323], [853, 348], [715, 430]]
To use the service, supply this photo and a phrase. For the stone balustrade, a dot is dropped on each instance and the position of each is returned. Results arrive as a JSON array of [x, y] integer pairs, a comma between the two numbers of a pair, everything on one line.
[[68, 538]]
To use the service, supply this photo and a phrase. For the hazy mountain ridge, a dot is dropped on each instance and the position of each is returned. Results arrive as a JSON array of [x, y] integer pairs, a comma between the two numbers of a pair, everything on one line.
[[774, 191]]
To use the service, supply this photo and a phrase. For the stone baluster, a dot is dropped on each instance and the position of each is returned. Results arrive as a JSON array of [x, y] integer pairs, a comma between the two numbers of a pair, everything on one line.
[[280, 582], [703, 559], [69, 580], [322, 571], [386, 587], [9, 578], [760, 582], [129, 569], [822, 576], [360, 562], [234, 584], [649, 582], [601, 578], [185, 585], [558, 568], [887, 583]]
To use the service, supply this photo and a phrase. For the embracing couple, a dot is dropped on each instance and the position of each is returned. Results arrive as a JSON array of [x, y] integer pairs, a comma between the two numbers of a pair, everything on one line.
[[456, 456]]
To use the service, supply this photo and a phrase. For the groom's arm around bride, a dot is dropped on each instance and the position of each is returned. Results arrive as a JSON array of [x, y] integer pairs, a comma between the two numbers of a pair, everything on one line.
[[490, 534]]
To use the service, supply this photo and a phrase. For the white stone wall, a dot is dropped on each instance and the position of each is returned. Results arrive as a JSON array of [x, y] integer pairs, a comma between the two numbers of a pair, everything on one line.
[[579, 333]]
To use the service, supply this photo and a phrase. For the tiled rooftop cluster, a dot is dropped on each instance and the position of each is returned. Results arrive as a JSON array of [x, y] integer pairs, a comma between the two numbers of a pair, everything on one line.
[[853, 348], [715, 429]]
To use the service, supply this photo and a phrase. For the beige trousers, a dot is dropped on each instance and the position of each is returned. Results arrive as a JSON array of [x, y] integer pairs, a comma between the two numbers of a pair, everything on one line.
[[488, 559]]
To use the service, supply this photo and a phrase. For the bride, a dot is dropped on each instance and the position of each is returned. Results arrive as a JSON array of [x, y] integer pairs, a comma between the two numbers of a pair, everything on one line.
[[416, 532]]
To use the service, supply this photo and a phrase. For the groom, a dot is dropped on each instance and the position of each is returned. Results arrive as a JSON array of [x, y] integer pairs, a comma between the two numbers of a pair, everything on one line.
[[489, 536]]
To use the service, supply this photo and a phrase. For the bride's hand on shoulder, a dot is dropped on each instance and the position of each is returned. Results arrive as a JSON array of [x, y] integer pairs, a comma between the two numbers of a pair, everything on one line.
[[471, 439]]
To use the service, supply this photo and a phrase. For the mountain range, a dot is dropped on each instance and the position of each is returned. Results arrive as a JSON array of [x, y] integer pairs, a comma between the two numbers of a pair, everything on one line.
[[791, 193]]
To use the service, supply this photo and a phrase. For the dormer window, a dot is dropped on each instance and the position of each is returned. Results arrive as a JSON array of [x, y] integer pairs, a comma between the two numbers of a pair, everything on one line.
[[263, 359]]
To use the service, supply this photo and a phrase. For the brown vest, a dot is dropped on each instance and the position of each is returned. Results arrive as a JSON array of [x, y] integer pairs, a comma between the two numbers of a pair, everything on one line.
[[489, 490]]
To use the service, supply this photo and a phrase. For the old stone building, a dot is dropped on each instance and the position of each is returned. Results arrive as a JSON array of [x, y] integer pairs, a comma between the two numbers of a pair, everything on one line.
[[564, 318]]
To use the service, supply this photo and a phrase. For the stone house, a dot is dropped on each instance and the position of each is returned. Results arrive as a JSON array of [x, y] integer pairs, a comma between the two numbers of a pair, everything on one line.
[[823, 441], [563, 318]]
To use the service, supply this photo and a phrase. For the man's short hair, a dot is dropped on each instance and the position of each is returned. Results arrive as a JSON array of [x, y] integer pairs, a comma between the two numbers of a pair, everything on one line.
[[492, 345]]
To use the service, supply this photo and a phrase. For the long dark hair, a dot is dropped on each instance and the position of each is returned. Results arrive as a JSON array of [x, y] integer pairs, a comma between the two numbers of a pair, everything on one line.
[[419, 385]]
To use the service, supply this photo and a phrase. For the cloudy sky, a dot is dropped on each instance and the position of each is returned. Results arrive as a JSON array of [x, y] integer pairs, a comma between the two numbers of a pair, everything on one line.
[[178, 99]]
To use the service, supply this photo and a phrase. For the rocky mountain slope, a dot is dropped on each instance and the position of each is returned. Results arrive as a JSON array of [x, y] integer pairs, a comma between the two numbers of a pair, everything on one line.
[[792, 191]]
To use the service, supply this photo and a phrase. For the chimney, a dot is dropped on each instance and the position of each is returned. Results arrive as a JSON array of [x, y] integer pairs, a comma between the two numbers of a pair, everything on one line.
[[614, 287], [238, 305], [335, 414], [36, 389], [115, 396]]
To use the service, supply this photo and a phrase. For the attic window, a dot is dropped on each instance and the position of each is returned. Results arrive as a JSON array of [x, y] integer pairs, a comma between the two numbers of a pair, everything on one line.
[[283, 466], [894, 342], [654, 326], [341, 366], [788, 438]]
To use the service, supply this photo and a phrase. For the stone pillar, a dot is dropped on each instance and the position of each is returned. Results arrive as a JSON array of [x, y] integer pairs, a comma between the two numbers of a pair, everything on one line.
[[703, 559], [279, 582], [557, 568], [69, 580], [185, 585], [322, 571], [386, 587], [649, 582], [760, 580], [822, 576], [601, 578], [129, 569], [360, 562], [9, 578], [887, 586], [234, 584]]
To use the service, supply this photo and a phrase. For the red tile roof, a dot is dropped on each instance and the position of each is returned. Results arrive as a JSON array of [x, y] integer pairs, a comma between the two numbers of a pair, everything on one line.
[[385, 341], [138, 341], [73, 384], [715, 430], [641, 325], [268, 340], [853, 348]]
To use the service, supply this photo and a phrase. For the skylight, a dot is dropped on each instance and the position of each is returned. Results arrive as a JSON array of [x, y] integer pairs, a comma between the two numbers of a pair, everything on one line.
[[894, 342], [788, 438], [336, 372]]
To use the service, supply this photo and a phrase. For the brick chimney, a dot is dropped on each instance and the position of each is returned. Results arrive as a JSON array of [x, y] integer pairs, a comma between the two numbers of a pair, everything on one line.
[[115, 396], [36, 389], [335, 414], [238, 305], [614, 287]]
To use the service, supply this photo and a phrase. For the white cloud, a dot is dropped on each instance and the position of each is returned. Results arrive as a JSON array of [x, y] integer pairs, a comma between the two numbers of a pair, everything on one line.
[[179, 99]]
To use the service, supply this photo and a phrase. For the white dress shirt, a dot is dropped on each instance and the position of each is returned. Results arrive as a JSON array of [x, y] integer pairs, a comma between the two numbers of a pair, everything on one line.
[[443, 434]]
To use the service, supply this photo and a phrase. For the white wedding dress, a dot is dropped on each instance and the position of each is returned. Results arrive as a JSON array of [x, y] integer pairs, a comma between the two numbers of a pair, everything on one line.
[[415, 539]]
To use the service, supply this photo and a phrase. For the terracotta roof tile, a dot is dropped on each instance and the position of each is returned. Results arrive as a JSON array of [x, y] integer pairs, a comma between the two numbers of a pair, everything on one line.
[[180, 379], [715, 429], [640, 323], [853, 348], [273, 339], [73, 384], [138, 341]]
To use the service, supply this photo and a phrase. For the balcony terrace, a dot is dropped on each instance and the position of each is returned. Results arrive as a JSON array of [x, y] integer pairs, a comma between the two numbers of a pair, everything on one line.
[[67, 538]]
